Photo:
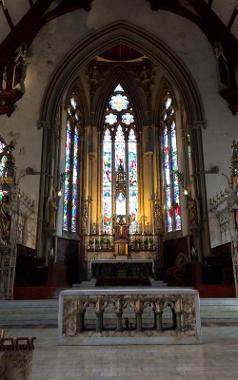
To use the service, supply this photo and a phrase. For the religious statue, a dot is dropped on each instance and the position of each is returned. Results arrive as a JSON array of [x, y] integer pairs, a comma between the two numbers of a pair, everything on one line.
[[121, 231], [52, 205], [121, 236], [7, 164], [223, 65], [5, 221], [85, 215], [176, 275], [157, 214], [234, 164], [193, 212]]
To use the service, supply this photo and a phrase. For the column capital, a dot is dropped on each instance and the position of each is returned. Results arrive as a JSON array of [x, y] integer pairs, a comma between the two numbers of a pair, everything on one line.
[[198, 124], [43, 124], [148, 155], [92, 155]]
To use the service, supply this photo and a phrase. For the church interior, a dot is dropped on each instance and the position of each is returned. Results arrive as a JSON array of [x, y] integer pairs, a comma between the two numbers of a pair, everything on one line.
[[118, 189]]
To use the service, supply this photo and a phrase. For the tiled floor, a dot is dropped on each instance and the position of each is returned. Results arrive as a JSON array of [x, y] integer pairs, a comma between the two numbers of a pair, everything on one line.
[[216, 358]]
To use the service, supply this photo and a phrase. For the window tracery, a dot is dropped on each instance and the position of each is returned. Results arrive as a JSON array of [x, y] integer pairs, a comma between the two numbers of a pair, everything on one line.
[[120, 158]]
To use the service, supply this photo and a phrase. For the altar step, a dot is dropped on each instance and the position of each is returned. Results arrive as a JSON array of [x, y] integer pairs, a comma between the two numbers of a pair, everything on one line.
[[42, 313], [92, 283]]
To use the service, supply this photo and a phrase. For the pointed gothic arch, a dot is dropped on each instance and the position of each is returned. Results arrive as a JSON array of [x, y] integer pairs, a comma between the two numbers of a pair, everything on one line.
[[115, 76], [119, 136], [157, 52]]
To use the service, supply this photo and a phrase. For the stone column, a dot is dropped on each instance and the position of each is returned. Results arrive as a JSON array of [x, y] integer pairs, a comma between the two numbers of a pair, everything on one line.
[[178, 321], [159, 326], [155, 322], [92, 191], [138, 307], [148, 191], [202, 238], [119, 321], [99, 321], [80, 322], [174, 316], [139, 321]]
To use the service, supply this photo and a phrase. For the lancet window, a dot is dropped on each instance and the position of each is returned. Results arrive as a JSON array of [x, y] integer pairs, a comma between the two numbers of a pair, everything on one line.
[[72, 167], [172, 203], [119, 163], [3, 158]]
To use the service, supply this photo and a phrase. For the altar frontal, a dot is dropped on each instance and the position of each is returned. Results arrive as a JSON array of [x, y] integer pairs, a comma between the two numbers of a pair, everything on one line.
[[105, 309]]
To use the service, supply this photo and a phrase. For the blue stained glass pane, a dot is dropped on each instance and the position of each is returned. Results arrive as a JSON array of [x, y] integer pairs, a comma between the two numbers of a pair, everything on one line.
[[107, 183], [67, 177]]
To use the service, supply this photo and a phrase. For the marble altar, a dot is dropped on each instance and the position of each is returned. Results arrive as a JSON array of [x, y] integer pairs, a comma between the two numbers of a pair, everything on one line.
[[184, 304]]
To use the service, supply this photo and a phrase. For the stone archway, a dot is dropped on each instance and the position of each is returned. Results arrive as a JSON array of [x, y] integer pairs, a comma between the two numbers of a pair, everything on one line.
[[159, 53]]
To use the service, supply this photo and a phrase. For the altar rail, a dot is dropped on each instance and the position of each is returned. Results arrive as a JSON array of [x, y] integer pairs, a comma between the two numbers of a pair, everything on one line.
[[184, 305]]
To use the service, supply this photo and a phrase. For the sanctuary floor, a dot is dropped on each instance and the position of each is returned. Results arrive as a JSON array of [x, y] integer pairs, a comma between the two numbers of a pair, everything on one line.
[[215, 359]]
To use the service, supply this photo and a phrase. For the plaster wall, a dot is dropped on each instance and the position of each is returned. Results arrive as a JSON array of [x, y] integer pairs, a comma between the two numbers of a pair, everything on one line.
[[57, 37]]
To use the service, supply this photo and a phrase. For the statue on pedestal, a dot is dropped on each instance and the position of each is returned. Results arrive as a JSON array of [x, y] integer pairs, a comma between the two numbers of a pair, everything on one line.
[[84, 217], [52, 206], [121, 231], [193, 212], [121, 235]]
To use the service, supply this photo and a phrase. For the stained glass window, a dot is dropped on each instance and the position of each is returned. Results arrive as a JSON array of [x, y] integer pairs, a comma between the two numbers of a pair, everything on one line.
[[72, 163], [119, 102], [110, 119], [119, 88], [121, 204], [133, 181], [120, 148], [3, 159], [107, 182], [120, 179], [170, 166], [128, 118]]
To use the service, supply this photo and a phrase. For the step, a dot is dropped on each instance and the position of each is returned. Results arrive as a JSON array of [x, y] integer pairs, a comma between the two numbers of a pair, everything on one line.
[[45, 312]]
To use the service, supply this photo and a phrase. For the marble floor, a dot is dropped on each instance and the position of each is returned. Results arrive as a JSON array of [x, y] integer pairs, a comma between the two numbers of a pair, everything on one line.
[[215, 359]]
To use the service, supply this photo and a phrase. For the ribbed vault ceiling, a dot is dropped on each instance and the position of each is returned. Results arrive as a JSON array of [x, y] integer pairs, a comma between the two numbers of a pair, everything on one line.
[[12, 11]]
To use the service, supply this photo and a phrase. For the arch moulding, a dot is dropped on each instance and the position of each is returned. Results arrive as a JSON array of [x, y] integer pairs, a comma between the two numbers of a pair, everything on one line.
[[160, 54]]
